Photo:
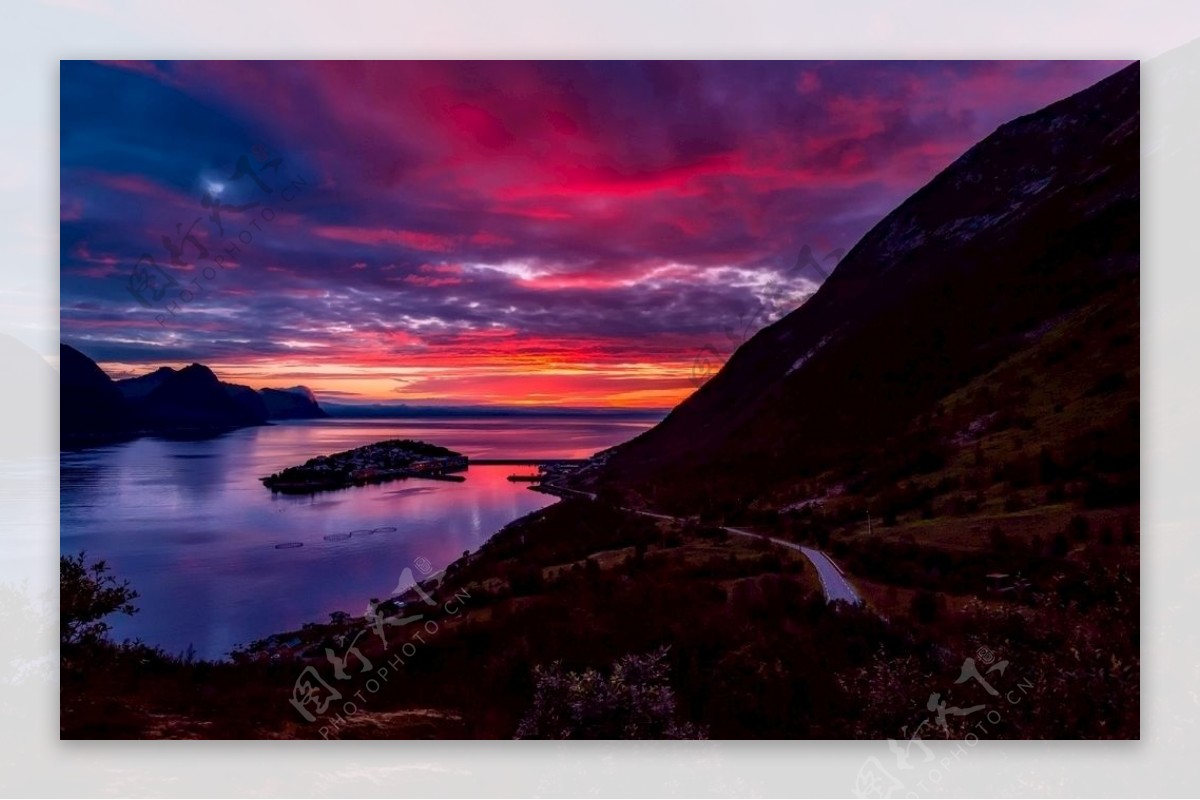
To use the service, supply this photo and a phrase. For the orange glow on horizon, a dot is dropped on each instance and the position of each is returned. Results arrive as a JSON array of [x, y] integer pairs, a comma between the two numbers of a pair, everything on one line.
[[492, 369]]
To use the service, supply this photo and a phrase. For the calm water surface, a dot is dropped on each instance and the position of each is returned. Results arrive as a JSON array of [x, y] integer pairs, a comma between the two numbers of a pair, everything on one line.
[[194, 531]]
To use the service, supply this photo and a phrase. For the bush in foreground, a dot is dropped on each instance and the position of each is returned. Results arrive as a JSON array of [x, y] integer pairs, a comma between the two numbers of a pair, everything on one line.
[[634, 701]]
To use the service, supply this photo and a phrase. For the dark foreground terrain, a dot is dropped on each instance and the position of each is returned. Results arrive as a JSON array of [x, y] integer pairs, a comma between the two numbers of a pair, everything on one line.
[[632, 627]]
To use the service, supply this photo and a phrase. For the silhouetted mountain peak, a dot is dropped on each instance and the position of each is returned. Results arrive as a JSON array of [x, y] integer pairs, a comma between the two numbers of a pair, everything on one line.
[[89, 402], [191, 399], [301, 390], [297, 402], [142, 385], [197, 372], [76, 369]]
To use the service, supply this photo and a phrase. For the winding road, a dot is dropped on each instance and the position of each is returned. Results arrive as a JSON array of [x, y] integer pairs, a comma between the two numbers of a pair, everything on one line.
[[833, 580]]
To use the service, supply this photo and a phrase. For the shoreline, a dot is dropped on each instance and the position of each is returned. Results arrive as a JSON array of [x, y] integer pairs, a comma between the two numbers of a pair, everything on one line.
[[293, 643]]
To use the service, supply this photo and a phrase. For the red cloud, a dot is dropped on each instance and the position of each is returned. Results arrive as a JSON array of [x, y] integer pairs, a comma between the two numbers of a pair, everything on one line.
[[416, 240]]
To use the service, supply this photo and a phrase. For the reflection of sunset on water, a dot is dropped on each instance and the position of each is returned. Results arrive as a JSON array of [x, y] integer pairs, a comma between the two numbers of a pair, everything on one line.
[[220, 560]]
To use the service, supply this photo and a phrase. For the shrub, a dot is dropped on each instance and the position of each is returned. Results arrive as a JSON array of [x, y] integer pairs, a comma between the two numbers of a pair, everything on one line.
[[634, 701]]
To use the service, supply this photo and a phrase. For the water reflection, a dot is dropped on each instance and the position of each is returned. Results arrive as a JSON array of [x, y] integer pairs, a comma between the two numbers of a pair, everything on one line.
[[196, 533]]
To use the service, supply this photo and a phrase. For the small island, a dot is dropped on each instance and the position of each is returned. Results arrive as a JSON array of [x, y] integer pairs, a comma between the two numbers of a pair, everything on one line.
[[374, 463]]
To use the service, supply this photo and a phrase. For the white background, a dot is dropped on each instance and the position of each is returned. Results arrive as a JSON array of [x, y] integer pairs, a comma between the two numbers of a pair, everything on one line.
[[35, 36]]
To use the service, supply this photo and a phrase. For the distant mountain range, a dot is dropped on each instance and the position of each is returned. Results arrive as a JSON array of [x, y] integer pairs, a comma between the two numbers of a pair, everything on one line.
[[1033, 229], [192, 400], [94, 408]]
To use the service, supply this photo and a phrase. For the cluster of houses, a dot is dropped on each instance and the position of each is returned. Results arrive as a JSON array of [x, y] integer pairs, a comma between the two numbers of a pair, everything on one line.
[[374, 462], [387, 456], [553, 471]]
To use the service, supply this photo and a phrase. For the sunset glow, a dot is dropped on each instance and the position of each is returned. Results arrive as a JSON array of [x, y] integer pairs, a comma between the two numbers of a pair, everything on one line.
[[514, 233]]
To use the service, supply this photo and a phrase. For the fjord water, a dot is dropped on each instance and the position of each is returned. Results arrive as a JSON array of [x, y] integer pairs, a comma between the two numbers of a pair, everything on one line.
[[196, 534]]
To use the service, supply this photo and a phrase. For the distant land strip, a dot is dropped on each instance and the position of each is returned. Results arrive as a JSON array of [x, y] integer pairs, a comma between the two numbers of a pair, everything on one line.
[[523, 462]]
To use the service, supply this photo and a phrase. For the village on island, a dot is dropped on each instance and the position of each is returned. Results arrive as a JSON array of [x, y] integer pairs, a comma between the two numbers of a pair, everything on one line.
[[374, 463], [395, 459]]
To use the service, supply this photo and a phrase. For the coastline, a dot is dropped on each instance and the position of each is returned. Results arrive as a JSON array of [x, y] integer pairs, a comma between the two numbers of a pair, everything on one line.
[[226, 518], [298, 642]]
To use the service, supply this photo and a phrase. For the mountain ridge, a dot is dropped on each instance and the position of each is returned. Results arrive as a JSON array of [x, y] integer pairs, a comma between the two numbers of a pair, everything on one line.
[[192, 400], [1028, 224]]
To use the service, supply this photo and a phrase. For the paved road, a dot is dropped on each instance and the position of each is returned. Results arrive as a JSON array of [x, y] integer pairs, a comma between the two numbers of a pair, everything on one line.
[[833, 582], [557, 488]]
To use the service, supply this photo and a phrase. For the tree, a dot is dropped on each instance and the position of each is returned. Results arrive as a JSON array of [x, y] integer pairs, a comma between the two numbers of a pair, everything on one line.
[[88, 594]]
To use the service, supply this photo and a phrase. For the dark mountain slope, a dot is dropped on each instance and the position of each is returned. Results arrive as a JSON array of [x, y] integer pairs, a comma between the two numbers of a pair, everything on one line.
[[297, 402], [142, 385], [194, 398], [1035, 221], [89, 402], [188, 401], [251, 402]]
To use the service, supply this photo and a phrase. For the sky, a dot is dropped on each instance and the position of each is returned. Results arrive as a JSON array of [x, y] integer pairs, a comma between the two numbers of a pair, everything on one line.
[[585, 234]]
